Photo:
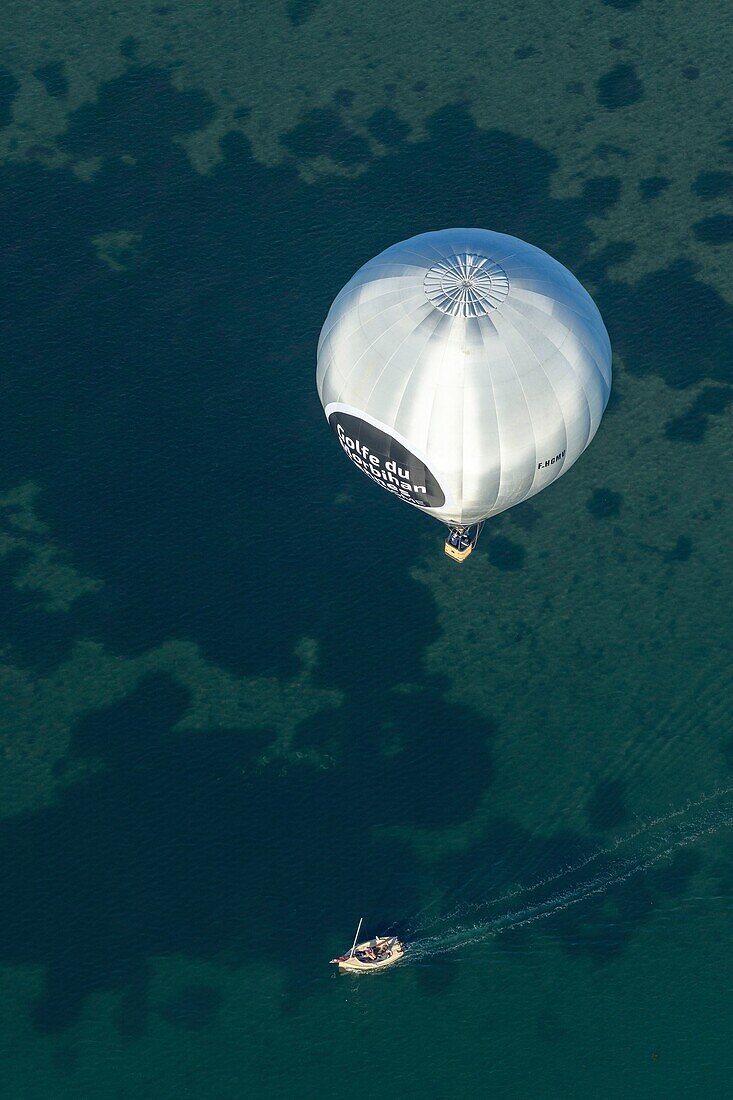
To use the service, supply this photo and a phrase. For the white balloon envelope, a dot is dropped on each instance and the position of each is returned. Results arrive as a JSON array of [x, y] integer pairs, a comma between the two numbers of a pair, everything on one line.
[[464, 371]]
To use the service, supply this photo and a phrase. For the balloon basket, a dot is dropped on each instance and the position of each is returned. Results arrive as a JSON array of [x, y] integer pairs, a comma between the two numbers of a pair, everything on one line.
[[458, 555]]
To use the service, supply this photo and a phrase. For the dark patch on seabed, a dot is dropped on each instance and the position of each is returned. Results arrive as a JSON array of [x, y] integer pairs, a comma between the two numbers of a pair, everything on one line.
[[691, 425], [9, 88], [682, 328], [53, 78], [170, 415], [620, 87], [322, 133], [523, 52], [387, 127], [652, 186], [715, 230], [604, 503], [298, 11], [602, 192], [505, 554], [120, 121], [713, 185], [681, 551]]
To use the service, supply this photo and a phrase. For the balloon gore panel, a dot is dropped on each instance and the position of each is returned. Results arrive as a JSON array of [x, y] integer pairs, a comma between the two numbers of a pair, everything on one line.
[[384, 460]]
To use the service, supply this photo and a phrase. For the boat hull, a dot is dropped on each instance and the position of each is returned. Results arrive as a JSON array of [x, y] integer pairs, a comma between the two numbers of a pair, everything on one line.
[[355, 964]]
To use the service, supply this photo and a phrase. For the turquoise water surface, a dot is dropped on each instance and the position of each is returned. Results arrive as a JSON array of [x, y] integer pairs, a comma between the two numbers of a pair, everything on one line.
[[245, 697]]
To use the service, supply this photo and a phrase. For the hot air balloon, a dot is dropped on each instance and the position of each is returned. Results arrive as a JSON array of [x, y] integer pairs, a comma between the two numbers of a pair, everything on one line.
[[463, 371]]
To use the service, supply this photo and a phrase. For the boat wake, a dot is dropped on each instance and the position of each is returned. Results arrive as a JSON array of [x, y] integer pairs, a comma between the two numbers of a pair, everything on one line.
[[650, 844]]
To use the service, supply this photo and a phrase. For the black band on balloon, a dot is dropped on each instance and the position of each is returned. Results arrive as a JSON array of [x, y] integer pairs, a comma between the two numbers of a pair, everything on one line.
[[386, 461]]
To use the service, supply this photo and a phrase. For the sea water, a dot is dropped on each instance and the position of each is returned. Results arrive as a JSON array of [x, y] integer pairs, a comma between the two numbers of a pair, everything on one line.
[[246, 698]]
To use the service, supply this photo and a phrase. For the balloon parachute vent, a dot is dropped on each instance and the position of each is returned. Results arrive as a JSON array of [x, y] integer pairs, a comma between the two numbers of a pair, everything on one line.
[[468, 285]]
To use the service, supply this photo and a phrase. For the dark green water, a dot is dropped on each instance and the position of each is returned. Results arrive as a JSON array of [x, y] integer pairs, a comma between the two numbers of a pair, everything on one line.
[[218, 750]]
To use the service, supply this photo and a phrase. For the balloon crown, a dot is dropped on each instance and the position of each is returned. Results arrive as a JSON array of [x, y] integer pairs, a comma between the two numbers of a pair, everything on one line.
[[466, 285]]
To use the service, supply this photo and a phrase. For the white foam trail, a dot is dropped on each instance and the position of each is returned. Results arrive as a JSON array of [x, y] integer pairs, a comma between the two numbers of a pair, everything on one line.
[[680, 835], [570, 868]]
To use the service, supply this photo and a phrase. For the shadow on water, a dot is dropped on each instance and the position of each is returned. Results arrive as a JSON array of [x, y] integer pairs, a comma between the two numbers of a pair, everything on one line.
[[166, 404]]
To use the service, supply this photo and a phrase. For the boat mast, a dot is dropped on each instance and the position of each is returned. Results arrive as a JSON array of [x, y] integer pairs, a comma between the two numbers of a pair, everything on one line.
[[356, 937]]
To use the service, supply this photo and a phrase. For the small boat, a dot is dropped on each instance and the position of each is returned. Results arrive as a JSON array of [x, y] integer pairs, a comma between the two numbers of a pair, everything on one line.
[[374, 954]]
